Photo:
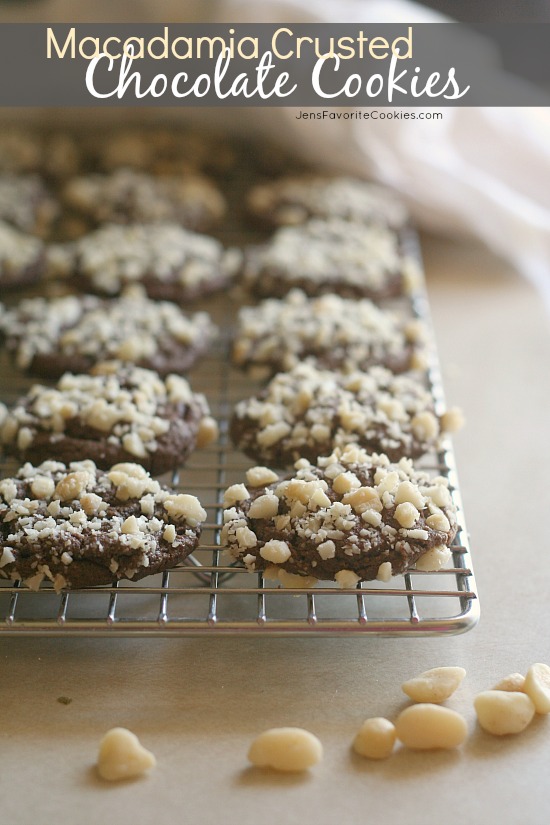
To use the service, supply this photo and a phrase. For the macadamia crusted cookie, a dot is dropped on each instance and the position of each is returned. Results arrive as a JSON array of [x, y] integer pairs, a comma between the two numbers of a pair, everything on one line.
[[120, 413], [170, 262], [26, 204], [307, 412], [22, 260], [20, 150], [166, 150], [350, 517], [293, 200], [72, 333], [334, 255], [127, 196], [77, 526], [336, 333], [55, 154]]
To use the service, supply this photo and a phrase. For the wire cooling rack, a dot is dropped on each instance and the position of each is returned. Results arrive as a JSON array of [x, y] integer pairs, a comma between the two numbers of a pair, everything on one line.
[[207, 595]]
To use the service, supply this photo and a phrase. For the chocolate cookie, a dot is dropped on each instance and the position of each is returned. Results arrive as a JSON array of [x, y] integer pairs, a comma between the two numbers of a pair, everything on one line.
[[22, 258], [307, 412], [127, 197], [120, 413], [351, 517], [20, 150], [170, 263], [53, 154], [79, 527], [26, 204], [336, 333], [166, 151], [294, 200], [349, 259], [72, 333]]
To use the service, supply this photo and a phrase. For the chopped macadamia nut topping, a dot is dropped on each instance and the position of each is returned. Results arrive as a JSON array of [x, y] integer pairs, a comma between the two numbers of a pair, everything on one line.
[[264, 506], [286, 749], [452, 421], [122, 756], [336, 333], [87, 330], [25, 204], [19, 255], [346, 579], [293, 581], [208, 431], [126, 196], [384, 573], [163, 254], [425, 426], [275, 551], [185, 507], [234, 494], [42, 487], [72, 485], [406, 514], [260, 476], [294, 200], [333, 253], [434, 559], [327, 549], [438, 522], [116, 523], [338, 519]]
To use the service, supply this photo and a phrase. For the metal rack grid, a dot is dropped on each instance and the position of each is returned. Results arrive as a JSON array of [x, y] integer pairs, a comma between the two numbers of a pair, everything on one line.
[[208, 596]]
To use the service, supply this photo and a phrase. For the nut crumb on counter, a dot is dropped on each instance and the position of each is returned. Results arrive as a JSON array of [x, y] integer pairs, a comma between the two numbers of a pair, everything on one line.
[[122, 756], [286, 749]]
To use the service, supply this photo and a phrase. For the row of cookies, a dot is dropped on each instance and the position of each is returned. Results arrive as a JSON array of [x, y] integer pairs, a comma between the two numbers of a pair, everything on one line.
[[59, 186], [84, 512], [85, 509], [58, 154], [345, 403], [129, 226]]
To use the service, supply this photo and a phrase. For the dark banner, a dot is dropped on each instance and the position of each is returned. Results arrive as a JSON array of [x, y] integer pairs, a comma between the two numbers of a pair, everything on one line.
[[302, 65]]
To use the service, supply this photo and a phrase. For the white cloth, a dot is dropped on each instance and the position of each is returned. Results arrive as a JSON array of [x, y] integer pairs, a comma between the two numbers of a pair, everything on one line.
[[480, 171]]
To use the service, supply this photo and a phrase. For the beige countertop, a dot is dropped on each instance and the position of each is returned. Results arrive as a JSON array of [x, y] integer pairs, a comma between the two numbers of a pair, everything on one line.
[[197, 703]]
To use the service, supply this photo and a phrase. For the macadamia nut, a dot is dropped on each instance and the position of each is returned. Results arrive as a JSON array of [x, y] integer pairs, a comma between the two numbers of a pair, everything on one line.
[[434, 685], [286, 749], [513, 682], [501, 712], [121, 756], [429, 727], [375, 738], [184, 506], [537, 687], [434, 558], [260, 476]]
